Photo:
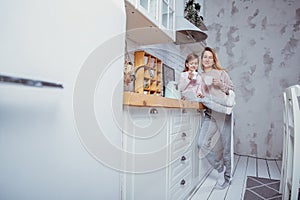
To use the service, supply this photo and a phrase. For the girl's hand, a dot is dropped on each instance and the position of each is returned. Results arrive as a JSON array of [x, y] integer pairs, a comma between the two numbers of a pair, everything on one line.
[[191, 75], [200, 95]]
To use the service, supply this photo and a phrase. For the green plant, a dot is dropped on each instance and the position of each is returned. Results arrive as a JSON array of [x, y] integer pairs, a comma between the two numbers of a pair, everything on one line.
[[192, 12]]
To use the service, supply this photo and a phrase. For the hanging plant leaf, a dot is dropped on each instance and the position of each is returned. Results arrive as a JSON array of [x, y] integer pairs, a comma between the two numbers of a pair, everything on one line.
[[192, 12], [197, 7]]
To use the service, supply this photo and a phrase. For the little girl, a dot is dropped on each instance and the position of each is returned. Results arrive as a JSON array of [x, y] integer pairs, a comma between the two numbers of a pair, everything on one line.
[[190, 81]]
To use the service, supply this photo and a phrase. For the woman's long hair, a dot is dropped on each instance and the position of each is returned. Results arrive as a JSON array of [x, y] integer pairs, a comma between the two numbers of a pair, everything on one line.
[[216, 61], [190, 57]]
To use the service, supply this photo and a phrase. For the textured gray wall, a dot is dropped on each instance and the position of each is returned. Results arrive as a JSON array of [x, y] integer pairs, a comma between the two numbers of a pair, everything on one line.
[[257, 41]]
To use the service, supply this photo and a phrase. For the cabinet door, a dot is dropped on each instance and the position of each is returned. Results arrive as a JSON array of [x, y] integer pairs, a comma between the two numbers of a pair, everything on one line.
[[145, 137], [200, 166]]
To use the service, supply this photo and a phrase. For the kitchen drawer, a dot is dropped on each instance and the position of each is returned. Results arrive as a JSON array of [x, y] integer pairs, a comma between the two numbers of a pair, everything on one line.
[[181, 167], [180, 143], [181, 188], [181, 121]]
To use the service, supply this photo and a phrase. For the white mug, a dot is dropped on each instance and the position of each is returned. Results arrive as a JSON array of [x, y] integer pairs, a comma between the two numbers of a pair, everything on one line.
[[195, 75], [208, 80]]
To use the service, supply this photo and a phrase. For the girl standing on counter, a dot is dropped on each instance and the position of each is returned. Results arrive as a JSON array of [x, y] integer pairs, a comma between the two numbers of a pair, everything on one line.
[[214, 140], [190, 80]]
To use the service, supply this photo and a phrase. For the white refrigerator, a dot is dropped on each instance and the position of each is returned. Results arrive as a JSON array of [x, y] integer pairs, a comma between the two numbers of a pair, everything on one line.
[[54, 140]]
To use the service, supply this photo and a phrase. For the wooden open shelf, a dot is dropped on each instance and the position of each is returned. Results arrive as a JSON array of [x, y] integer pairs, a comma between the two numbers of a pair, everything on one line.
[[148, 78]]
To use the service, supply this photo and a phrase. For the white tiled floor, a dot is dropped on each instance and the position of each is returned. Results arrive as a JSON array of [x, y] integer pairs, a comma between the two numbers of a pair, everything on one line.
[[243, 166]]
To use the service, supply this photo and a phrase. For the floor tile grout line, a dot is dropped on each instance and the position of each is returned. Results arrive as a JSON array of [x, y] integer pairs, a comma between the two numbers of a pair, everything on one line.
[[227, 189], [245, 175], [256, 165], [233, 174], [268, 170], [279, 168], [245, 182], [200, 184]]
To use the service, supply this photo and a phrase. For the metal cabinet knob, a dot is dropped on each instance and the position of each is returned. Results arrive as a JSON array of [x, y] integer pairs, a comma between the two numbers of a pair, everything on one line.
[[153, 111], [182, 182], [183, 158], [183, 134]]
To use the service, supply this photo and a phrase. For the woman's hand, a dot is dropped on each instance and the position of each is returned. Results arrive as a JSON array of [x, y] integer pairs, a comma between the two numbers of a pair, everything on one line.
[[216, 82]]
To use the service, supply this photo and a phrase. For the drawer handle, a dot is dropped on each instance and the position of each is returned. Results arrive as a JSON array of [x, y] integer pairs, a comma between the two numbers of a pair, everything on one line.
[[184, 110], [153, 111], [182, 182], [183, 158], [183, 134]]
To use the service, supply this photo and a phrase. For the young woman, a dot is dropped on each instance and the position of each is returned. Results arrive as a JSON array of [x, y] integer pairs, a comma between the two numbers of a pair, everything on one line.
[[190, 80], [214, 140]]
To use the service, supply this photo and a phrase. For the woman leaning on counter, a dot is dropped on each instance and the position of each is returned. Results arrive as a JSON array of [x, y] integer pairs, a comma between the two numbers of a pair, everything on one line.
[[214, 140]]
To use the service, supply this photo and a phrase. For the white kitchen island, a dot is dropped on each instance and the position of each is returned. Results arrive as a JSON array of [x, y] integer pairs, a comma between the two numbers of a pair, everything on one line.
[[160, 138]]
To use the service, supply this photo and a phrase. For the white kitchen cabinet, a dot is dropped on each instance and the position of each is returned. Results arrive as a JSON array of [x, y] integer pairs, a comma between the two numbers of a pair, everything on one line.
[[173, 133], [145, 133], [184, 126], [150, 21], [168, 15]]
